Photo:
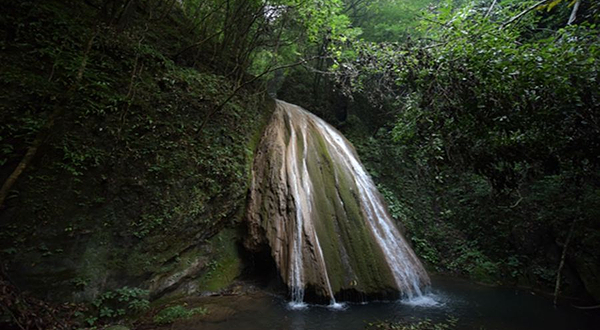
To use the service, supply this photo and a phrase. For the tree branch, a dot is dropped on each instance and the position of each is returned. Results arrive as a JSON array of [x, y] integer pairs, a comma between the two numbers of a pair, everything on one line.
[[523, 13], [562, 262], [573, 16], [490, 9], [197, 44], [237, 89]]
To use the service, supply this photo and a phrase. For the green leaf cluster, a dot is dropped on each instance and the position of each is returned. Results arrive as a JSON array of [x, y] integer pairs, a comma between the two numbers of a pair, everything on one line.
[[118, 304]]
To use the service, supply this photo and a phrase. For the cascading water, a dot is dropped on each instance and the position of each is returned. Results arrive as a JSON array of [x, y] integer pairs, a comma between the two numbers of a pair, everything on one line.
[[387, 235], [315, 206], [301, 188]]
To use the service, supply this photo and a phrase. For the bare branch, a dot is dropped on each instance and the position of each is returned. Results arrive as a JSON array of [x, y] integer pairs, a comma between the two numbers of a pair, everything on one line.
[[523, 13], [199, 43], [573, 16], [562, 262], [491, 8], [239, 87]]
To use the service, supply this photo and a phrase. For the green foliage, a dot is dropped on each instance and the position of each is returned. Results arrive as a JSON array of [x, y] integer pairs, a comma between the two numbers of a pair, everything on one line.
[[472, 261], [496, 113], [127, 178], [391, 20], [117, 304], [260, 35], [173, 313]]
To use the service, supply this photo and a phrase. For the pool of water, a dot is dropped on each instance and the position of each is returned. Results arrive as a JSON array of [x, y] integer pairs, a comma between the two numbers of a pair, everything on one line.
[[475, 307]]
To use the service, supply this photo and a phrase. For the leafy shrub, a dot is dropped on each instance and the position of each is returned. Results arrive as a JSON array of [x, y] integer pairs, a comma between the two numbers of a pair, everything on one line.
[[119, 303]]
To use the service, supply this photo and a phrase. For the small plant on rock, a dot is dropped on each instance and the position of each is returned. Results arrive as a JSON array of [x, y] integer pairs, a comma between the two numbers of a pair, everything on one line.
[[178, 312]]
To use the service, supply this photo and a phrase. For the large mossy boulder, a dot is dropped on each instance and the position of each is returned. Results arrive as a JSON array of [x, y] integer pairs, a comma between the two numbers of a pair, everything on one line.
[[314, 207]]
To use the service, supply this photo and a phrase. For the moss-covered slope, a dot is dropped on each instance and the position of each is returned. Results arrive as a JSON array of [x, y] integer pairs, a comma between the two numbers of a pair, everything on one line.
[[127, 185]]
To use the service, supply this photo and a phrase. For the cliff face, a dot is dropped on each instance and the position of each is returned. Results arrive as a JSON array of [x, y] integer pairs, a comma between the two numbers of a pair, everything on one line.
[[129, 188], [314, 206]]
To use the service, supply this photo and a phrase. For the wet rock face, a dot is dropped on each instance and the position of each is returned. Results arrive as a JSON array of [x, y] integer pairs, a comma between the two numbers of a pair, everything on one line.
[[313, 204]]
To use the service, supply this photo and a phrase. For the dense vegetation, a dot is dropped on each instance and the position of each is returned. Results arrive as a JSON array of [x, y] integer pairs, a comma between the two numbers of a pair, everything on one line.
[[127, 130], [481, 127], [138, 160]]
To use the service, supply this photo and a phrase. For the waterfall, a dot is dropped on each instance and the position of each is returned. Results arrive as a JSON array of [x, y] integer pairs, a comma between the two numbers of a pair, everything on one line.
[[328, 229]]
